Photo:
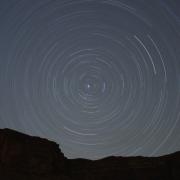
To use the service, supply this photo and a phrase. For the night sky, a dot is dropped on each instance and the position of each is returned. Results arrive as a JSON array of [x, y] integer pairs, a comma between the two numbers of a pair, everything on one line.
[[99, 77]]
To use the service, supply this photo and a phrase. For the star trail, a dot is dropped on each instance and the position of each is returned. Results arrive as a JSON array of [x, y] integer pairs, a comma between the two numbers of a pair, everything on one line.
[[99, 77]]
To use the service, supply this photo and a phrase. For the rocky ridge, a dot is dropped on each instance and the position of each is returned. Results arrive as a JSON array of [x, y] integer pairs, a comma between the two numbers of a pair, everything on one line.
[[24, 157]]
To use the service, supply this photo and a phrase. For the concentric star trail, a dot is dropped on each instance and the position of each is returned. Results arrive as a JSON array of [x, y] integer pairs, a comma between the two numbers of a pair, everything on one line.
[[99, 77]]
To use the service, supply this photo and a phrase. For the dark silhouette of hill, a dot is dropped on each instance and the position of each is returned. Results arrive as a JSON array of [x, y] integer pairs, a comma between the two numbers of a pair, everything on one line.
[[23, 157]]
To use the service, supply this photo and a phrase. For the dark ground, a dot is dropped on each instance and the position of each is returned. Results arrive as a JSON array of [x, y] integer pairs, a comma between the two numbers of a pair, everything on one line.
[[24, 157]]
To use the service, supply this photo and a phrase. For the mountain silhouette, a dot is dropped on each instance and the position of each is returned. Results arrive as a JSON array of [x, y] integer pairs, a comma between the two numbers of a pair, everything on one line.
[[24, 157]]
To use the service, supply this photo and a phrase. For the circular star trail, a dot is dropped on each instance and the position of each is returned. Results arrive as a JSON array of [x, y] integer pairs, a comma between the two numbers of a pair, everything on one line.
[[100, 78]]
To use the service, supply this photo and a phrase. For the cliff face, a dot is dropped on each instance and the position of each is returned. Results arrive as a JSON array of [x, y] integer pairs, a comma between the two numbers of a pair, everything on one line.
[[24, 157]]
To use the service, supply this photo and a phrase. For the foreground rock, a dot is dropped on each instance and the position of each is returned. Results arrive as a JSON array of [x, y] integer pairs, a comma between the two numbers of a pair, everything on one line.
[[24, 157]]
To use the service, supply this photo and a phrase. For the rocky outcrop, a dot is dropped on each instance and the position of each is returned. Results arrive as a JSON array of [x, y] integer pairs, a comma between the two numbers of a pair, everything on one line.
[[23, 154], [24, 157]]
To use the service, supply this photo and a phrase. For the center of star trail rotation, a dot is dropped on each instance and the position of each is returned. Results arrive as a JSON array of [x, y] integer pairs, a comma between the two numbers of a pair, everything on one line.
[[100, 78]]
